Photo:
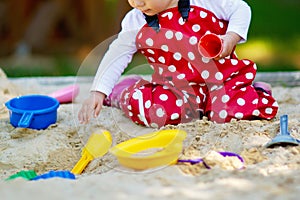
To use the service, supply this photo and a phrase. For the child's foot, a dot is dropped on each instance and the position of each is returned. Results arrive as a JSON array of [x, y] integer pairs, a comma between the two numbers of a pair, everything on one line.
[[114, 98], [263, 86]]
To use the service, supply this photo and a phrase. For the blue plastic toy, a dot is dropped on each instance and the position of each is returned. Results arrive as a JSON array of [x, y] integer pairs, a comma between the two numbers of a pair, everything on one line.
[[283, 138], [55, 174], [33, 111]]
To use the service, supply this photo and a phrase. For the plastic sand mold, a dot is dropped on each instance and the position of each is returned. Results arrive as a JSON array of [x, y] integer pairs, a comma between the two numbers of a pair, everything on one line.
[[31, 175], [97, 145], [55, 174], [27, 175], [222, 153], [136, 152], [210, 45]]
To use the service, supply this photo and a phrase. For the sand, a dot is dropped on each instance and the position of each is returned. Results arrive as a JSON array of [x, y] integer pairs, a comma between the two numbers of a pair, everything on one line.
[[268, 173]]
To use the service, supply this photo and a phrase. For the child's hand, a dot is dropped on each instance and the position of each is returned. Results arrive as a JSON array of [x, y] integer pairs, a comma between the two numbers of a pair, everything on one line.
[[91, 106], [230, 40]]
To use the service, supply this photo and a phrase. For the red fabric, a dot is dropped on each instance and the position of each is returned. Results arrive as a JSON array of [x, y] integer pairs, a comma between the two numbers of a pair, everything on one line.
[[221, 89]]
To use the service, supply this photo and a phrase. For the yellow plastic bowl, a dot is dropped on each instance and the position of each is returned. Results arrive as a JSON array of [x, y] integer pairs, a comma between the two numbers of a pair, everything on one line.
[[133, 153]]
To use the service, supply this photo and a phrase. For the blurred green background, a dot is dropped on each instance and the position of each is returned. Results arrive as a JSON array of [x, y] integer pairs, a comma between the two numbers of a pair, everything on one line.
[[53, 38]]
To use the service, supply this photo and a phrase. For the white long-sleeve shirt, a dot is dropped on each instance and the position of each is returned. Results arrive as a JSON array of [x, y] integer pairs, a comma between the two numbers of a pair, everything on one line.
[[122, 49]]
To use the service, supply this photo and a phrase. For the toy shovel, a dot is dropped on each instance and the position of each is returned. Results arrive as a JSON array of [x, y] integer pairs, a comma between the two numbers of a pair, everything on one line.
[[283, 138], [97, 145]]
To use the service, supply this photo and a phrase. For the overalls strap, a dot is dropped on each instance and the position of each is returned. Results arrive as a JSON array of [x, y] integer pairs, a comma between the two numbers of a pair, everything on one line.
[[183, 7]]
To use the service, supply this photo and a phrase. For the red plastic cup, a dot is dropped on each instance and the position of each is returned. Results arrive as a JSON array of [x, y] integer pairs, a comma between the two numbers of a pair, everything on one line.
[[210, 45]]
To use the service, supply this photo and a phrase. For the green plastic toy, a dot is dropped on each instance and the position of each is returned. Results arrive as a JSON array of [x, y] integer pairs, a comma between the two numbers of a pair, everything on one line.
[[28, 175]]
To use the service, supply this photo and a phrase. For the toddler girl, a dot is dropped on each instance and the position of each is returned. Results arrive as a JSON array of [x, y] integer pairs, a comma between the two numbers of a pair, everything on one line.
[[184, 85]]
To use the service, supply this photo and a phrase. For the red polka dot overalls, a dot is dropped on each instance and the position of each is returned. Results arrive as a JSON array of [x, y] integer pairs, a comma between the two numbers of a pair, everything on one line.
[[184, 84]]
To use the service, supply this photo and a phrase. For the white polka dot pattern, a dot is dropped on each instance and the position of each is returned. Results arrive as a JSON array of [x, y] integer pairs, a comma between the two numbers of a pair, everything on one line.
[[163, 97]]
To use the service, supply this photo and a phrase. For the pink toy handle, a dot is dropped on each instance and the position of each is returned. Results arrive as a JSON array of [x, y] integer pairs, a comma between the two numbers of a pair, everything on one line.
[[67, 94]]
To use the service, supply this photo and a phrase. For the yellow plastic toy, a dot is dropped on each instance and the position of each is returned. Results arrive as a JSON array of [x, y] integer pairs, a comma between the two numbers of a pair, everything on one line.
[[97, 145], [133, 153]]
